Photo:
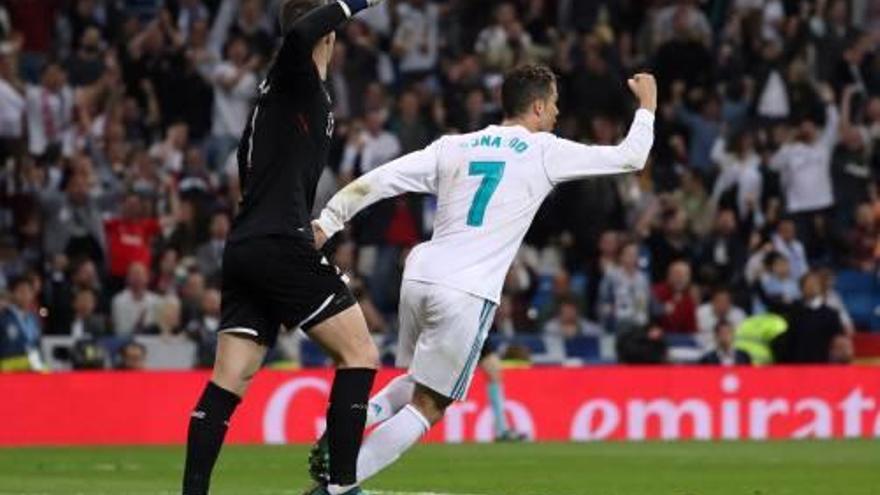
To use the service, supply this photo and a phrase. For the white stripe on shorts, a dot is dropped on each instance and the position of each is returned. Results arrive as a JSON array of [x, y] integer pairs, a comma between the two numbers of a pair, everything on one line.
[[247, 331], [320, 308]]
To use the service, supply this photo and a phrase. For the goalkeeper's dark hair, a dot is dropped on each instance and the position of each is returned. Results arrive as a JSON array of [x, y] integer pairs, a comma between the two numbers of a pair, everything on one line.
[[523, 86], [291, 10]]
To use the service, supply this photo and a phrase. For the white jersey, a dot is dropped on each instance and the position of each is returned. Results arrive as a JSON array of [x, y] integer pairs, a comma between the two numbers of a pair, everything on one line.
[[489, 185]]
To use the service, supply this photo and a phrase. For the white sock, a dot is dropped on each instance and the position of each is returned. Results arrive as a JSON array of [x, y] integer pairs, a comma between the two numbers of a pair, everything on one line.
[[390, 399], [390, 440]]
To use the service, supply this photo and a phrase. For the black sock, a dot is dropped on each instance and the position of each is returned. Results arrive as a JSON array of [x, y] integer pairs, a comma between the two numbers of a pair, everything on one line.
[[207, 427], [345, 421]]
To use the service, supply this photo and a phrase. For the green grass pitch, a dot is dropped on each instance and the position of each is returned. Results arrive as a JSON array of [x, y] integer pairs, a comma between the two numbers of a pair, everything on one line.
[[694, 468]]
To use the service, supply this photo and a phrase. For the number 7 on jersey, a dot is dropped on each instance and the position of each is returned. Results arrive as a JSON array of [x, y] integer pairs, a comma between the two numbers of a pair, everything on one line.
[[492, 173]]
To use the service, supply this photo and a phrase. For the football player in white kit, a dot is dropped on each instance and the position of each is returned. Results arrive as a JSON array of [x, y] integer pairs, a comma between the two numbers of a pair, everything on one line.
[[489, 185]]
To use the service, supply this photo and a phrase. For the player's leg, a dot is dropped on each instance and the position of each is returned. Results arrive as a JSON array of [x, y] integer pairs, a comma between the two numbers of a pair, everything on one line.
[[452, 328], [238, 359], [347, 340], [382, 406], [491, 365], [399, 392], [392, 398], [246, 334], [397, 435], [305, 291]]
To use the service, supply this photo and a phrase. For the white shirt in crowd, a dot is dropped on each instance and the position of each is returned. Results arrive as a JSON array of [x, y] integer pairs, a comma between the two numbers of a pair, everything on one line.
[[130, 313], [744, 173], [232, 106], [378, 18], [708, 319], [11, 111], [376, 149], [805, 169], [773, 98], [418, 34], [49, 118], [489, 185]]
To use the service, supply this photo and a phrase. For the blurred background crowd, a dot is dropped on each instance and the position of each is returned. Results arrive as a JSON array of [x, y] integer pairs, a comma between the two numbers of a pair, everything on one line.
[[751, 237]]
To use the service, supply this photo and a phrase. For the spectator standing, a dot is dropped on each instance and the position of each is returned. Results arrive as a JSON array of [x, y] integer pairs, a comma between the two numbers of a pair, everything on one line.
[[134, 308], [624, 294], [506, 43], [416, 40], [253, 25], [682, 52], [852, 175], [72, 220], [235, 87], [49, 109], [21, 332], [130, 238], [12, 105], [704, 127], [592, 87], [804, 167], [369, 148], [740, 174], [813, 325]]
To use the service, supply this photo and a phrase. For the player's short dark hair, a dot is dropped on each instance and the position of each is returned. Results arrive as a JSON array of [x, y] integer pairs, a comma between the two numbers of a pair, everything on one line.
[[523, 86], [291, 10]]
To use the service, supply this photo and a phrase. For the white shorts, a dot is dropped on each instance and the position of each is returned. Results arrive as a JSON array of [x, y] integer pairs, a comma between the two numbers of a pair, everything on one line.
[[442, 331]]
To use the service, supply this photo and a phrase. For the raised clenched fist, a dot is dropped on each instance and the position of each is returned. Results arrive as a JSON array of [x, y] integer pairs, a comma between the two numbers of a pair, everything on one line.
[[644, 87]]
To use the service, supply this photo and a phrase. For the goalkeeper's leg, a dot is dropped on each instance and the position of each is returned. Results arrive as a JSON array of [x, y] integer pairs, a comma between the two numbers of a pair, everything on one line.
[[238, 359], [385, 404]]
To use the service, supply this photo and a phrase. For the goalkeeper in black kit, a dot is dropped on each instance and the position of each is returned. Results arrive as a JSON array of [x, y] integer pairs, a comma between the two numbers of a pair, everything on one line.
[[273, 277]]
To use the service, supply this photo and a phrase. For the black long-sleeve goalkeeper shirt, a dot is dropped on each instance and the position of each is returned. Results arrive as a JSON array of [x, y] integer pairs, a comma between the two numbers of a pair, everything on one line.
[[284, 146]]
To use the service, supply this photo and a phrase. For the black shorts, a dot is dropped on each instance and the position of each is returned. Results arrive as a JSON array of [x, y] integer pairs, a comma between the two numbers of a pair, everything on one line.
[[278, 280]]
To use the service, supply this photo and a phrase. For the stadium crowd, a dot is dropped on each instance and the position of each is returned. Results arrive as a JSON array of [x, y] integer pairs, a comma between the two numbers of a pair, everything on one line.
[[119, 121]]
